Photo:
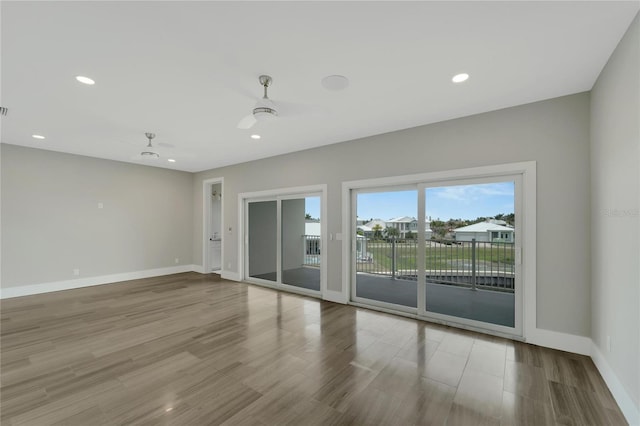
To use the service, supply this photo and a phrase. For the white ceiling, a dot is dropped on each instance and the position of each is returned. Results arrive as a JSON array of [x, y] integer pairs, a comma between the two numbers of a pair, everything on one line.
[[189, 71]]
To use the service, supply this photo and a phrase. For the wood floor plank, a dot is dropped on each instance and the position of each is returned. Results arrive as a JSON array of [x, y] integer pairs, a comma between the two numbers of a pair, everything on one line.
[[487, 359], [527, 381], [192, 349], [573, 406], [445, 368], [480, 392], [520, 410]]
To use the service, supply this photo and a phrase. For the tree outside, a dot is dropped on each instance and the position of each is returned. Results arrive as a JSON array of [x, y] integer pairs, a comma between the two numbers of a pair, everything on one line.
[[377, 232]]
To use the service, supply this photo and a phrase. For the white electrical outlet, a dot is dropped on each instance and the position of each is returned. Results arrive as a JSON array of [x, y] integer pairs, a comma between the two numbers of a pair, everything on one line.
[[100, 205], [76, 272], [177, 260]]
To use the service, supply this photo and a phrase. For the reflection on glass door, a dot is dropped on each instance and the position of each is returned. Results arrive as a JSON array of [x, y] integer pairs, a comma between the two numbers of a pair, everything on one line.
[[469, 252], [262, 240], [301, 242], [386, 247]]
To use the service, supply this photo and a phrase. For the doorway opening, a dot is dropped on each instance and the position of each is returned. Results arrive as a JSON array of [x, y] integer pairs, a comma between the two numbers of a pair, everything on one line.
[[213, 233]]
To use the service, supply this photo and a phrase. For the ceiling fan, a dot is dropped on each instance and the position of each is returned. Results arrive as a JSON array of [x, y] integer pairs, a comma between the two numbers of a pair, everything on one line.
[[155, 152], [149, 152], [263, 109]]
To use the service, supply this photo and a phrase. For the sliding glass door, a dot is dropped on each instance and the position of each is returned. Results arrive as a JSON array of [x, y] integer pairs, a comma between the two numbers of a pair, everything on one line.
[[470, 270], [262, 240], [283, 243], [386, 236], [444, 250], [301, 242]]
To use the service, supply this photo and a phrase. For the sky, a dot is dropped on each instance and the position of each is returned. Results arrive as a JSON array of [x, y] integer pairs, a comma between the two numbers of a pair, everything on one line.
[[312, 206], [443, 203]]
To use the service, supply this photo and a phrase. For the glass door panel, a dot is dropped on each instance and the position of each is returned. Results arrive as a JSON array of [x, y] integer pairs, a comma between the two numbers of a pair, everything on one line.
[[262, 240], [469, 251], [300, 255], [386, 247]]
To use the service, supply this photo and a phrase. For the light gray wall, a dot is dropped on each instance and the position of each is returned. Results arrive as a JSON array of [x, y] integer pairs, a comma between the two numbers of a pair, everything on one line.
[[555, 133], [51, 223], [262, 237], [615, 217]]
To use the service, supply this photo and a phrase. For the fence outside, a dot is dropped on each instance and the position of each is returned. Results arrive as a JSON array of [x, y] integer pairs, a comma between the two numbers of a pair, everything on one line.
[[312, 248], [474, 264]]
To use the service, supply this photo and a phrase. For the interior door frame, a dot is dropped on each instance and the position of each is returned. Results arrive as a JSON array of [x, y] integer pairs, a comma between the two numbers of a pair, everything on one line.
[[525, 249], [278, 195], [206, 223]]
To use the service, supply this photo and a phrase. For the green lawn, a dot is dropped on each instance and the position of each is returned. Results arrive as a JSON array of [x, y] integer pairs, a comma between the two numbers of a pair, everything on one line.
[[497, 257]]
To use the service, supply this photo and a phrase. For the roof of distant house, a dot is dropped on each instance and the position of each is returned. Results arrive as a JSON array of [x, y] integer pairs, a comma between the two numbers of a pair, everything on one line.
[[402, 219], [483, 227]]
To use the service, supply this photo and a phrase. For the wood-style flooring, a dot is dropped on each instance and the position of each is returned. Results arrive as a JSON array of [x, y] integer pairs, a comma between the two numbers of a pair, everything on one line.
[[189, 349]]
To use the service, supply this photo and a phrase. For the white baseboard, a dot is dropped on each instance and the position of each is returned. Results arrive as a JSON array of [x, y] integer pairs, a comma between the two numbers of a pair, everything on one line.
[[334, 296], [561, 341], [27, 290], [198, 268], [625, 402], [231, 276]]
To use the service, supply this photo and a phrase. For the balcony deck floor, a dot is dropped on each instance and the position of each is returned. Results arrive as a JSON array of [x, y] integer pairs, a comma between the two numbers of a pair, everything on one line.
[[493, 307]]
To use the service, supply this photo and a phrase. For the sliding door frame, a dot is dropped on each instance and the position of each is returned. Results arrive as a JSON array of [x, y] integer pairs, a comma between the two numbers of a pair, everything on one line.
[[243, 243], [525, 249]]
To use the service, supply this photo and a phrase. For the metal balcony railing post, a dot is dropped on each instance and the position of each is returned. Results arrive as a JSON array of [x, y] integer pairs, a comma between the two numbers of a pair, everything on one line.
[[393, 258], [473, 264]]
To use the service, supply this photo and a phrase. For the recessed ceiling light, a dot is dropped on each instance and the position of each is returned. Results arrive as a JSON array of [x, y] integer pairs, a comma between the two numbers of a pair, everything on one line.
[[37, 136], [335, 82], [459, 78], [171, 160], [255, 136], [85, 80]]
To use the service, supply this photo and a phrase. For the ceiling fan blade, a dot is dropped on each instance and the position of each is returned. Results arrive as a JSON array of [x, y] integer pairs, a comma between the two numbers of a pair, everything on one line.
[[291, 109], [247, 122]]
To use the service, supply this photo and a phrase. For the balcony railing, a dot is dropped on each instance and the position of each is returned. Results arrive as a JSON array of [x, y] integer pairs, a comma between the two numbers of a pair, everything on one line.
[[474, 264], [312, 248]]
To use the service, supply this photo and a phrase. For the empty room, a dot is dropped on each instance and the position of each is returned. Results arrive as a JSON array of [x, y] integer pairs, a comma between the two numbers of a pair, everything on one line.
[[296, 213]]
